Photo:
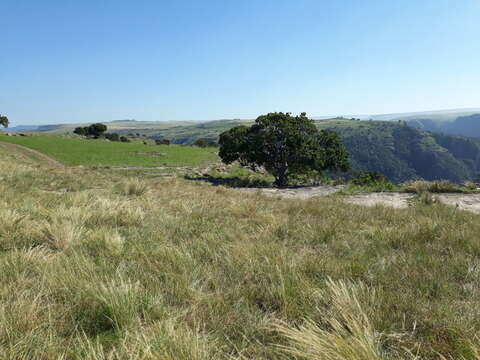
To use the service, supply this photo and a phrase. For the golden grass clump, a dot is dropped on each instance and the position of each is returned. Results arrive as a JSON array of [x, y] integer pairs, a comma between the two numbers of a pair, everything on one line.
[[133, 187], [348, 333]]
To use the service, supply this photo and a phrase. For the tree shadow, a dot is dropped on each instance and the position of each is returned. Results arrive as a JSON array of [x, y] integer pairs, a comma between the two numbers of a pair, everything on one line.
[[233, 181]]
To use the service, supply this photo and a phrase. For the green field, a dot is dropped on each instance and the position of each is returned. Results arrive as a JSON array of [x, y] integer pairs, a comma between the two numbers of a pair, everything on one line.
[[74, 151]]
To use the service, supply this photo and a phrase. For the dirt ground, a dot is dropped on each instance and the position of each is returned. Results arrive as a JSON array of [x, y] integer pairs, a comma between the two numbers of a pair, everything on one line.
[[296, 193], [395, 200], [469, 202]]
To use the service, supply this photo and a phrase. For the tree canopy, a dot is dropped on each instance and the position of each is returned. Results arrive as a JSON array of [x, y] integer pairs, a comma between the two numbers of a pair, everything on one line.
[[4, 121], [94, 130], [284, 145]]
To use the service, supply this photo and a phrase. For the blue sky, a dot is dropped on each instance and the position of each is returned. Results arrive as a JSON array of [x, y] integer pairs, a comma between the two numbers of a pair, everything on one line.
[[99, 60]]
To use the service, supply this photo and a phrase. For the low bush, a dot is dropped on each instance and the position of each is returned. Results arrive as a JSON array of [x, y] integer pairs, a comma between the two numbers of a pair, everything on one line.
[[204, 143], [440, 186], [370, 178], [162, 142]]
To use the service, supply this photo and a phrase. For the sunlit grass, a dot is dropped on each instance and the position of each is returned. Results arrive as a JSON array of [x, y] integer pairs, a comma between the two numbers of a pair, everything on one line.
[[96, 265], [76, 151]]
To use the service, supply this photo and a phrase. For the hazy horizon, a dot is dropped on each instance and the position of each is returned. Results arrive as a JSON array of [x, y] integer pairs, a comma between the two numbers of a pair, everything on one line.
[[362, 116]]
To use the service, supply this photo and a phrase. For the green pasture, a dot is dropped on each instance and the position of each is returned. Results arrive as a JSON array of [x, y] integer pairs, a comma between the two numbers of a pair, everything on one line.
[[74, 151]]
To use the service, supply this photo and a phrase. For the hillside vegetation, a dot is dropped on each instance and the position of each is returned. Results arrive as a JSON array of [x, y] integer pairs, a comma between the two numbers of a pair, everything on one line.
[[468, 125], [96, 265], [402, 153]]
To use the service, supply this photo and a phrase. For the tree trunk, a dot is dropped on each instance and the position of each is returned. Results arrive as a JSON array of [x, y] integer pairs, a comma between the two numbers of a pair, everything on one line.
[[281, 177]]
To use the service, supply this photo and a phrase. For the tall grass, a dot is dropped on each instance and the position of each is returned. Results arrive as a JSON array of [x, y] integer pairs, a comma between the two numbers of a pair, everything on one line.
[[183, 270]]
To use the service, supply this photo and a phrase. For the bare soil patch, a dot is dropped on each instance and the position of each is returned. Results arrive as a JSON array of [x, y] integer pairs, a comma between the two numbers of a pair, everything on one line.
[[395, 200], [297, 193], [469, 202]]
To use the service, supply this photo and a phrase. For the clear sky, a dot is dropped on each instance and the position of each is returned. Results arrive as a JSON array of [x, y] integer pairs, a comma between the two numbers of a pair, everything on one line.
[[99, 60]]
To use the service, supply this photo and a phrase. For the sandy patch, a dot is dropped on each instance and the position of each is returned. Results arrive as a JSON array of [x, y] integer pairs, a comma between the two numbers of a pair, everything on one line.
[[469, 202], [395, 200], [296, 193]]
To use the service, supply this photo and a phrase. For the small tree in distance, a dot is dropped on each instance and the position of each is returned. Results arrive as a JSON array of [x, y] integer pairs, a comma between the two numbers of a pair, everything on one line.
[[4, 121], [284, 145], [94, 130], [204, 143]]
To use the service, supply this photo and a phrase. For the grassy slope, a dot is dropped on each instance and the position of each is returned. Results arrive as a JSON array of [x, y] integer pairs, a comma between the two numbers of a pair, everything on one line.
[[99, 266], [75, 151]]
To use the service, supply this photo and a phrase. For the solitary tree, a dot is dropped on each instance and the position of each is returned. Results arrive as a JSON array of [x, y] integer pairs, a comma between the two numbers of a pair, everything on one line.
[[4, 121], [284, 145]]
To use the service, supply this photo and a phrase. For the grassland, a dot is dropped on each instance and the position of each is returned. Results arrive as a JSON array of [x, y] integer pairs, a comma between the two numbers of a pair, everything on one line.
[[74, 151], [98, 265]]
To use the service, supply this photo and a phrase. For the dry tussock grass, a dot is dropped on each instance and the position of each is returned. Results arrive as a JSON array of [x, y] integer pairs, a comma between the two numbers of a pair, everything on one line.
[[166, 269]]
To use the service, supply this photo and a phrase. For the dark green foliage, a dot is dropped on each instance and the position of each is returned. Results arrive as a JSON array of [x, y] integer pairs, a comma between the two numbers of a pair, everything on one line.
[[233, 145], [82, 131], [204, 143], [124, 139], [162, 142], [284, 145], [462, 125], [4, 121], [112, 136], [369, 178], [94, 130], [97, 129], [404, 153]]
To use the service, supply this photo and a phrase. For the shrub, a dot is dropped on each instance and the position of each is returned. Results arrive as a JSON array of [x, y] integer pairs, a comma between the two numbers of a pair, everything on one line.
[[133, 187], [162, 142], [426, 198], [470, 185], [370, 178], [112, 136], [124, 139], [421, 186], [94, 130], [204, 143]]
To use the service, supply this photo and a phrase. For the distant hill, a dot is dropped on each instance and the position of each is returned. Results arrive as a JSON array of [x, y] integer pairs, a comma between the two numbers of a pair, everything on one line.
[[463, 125], [20, 128], [440, 115]]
